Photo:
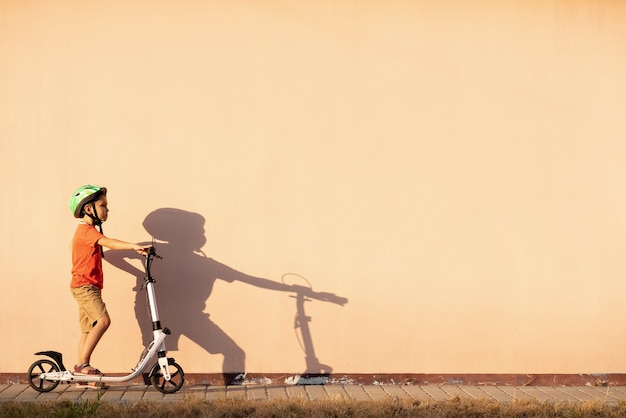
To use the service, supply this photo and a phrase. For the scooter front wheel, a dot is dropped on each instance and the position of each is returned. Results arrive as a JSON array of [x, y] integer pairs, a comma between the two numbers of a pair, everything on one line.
[[177, 378], [36, 369]]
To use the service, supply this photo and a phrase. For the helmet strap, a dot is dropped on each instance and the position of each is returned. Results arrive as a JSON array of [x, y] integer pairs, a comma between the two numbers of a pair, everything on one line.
[[97, 222]]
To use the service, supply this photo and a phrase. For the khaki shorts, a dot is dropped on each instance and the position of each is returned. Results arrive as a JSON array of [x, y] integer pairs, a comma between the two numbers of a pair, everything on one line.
[[90, 306]]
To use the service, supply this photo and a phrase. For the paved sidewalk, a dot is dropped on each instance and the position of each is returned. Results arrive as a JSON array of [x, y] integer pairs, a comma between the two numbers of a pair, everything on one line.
[[135, 393]]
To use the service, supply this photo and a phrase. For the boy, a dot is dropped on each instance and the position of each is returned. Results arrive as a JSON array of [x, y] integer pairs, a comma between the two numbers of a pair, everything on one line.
[[89, 203]]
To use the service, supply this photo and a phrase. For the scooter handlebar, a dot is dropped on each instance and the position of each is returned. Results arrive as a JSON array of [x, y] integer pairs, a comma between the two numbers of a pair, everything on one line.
[[152, 253]]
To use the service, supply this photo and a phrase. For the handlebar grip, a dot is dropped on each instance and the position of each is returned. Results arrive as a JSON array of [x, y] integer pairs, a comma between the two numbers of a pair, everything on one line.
[[152, 252]]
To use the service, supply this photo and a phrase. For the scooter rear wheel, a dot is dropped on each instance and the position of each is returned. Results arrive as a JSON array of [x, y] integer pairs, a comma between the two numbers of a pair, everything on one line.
[[177, 378], [36, 369]]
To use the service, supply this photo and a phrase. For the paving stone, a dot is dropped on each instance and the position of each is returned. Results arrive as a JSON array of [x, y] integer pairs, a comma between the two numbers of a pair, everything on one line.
[[436, 393], [153, 395], [27, 394], [376, 392], [617, 391], [50, 396], [535, 392], [194, 392], [515, 392], [395, 392], [604, 394], [133, 395], [316, 392], [215, 393], [297, 392], [12, 391], [236, 392], [357, 392], [496, 393], [416, 392], [335, 392], [175, 397], [277, 392], [475, 392], [71, 393], [256, 393], [91, 394], [558, 394], [579, 393], [454, 391], [114, 394]]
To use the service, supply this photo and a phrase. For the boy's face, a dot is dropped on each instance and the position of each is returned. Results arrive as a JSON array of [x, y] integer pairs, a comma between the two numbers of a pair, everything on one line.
[[101, 208]]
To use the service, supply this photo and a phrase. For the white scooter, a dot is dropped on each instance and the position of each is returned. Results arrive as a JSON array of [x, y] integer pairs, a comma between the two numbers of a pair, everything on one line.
[[166, 375]]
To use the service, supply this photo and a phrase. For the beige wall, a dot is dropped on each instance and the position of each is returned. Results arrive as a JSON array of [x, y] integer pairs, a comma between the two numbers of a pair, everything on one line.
[[454, 169]]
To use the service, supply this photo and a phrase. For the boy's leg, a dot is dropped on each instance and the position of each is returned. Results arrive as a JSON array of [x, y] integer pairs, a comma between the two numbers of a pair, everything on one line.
[[89, 340], [94, 321]]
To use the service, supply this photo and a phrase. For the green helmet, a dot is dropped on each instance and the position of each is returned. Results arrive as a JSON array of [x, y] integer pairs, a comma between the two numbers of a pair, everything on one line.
[[84, 195]]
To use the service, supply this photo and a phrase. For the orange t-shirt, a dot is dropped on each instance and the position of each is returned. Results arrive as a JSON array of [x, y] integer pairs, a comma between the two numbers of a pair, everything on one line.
[[86, 257]]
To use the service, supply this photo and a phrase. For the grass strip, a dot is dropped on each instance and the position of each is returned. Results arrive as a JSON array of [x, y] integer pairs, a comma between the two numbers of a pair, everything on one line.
[[235, 408]]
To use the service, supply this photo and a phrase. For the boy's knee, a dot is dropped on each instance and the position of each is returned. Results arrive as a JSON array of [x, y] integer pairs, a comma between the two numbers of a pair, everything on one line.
[[104, 321]]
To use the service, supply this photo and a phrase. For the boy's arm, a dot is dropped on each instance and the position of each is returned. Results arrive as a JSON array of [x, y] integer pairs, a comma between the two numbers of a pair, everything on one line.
[[116, 244]]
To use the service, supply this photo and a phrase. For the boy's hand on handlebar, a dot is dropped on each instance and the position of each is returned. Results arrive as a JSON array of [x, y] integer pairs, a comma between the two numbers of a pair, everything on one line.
[[143, 249]]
